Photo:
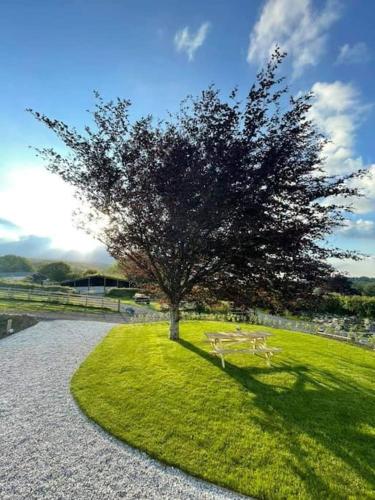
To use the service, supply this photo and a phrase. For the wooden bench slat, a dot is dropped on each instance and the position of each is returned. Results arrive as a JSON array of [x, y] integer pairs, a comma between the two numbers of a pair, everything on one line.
[[231, 335], [239, 351]]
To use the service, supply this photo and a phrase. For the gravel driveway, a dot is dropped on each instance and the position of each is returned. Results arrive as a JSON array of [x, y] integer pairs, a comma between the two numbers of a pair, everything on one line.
[[48, 449]]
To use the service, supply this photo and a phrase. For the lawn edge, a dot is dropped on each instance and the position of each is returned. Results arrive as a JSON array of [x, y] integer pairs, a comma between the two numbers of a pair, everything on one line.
[[153, 456]]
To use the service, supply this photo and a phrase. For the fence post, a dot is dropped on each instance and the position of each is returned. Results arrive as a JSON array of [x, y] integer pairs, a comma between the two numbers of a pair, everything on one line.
[[9, 326], [118, 305]]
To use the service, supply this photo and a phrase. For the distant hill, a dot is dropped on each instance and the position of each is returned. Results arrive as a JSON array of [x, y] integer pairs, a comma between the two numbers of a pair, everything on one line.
[[15, 264], [82, 266], [364, 285]]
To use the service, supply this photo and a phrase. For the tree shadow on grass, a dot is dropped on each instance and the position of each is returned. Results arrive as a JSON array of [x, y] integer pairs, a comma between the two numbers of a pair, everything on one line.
[[331, 410]]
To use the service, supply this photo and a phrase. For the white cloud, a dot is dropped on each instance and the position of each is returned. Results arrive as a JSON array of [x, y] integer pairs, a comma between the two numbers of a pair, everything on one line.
[[353, 54], [364, 267], [337, 110], [42, 248], [360, 228], [296, 27], [366, 185], [189, 42], [41, 204]]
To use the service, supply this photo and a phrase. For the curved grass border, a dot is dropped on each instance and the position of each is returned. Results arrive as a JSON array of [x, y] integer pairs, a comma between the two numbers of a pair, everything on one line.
[[300, 429]]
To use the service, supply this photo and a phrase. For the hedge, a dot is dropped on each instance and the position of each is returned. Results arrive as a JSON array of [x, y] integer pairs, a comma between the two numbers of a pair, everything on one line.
[[352, 305], [122, 293]]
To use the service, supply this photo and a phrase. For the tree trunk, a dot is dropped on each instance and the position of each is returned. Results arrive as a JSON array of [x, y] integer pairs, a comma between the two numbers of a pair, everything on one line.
[[174, 327]]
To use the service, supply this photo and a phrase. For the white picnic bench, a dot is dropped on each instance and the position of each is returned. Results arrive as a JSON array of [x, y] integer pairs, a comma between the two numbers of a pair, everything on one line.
[[224, 343]]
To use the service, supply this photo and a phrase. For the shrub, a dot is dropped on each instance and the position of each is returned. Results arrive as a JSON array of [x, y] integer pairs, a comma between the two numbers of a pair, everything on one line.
[[122, 293], [220, 307], [354, 305]]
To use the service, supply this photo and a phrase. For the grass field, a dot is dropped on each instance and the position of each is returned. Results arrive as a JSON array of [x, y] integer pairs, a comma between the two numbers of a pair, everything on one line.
[[10, 305], [303, 428]]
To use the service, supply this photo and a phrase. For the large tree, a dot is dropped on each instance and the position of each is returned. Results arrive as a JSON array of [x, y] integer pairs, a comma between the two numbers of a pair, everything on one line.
[[222, 195], [14, 264], [56, 271]]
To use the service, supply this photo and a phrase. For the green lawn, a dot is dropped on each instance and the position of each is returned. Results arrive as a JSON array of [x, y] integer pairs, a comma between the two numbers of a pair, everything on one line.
[[11, 305], [303, 428]]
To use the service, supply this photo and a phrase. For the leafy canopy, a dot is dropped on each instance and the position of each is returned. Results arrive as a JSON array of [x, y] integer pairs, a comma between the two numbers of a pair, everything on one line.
[[14, 263], [56, 271], [226, 195]]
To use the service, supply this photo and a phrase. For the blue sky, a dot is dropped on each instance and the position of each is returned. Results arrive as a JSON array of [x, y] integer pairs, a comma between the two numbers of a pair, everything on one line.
[[54, 53]]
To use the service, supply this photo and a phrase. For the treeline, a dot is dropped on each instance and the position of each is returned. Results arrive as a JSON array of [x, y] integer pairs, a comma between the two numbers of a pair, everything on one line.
[[364, 285], [15, 264], [339, 295], [42, 271], [348, 305], [345, 296]]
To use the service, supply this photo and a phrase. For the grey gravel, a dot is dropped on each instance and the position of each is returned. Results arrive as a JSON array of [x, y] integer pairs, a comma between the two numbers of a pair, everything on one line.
[[49, 449]]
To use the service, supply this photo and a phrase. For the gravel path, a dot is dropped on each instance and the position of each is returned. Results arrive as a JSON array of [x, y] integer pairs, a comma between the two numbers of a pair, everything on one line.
[[48, 449]]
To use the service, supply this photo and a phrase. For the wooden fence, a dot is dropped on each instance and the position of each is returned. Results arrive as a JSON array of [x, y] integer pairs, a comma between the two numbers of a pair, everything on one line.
[[60, 298]]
